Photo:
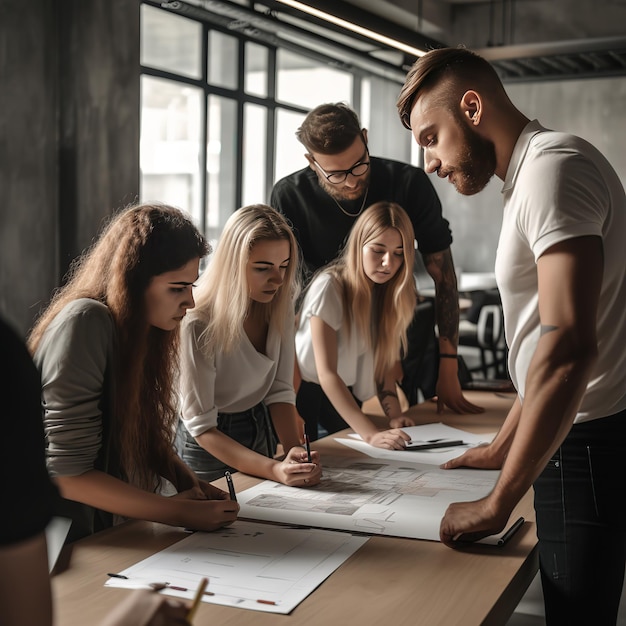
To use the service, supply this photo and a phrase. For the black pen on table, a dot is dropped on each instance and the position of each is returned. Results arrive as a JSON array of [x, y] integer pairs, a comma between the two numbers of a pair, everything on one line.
[[307, 445], [511, 531], [231, 486]]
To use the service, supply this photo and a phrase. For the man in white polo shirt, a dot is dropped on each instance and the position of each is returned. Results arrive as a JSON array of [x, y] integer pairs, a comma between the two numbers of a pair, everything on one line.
[[561, 271]]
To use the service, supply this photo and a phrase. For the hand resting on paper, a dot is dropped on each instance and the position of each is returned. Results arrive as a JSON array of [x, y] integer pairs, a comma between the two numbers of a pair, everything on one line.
[[402, 421], [480, 457], [470, 521], [394, 439]]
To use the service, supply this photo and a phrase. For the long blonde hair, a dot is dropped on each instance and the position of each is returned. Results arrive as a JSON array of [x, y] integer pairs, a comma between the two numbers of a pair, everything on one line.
[[137, 244], [380, 313], [222, 295]]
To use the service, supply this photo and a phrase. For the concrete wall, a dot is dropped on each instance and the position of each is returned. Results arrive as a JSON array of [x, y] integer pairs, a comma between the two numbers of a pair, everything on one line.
[[592, 109], [69, 137]]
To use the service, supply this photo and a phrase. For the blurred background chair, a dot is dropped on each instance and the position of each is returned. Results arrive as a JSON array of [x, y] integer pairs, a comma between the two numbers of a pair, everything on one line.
[[481, 342]]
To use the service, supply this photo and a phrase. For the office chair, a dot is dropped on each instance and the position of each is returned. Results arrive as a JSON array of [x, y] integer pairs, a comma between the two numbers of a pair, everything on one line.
[[488, 337]]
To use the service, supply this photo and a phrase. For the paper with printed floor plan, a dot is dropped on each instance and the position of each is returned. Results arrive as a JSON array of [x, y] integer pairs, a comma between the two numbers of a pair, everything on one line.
[[370, 496]]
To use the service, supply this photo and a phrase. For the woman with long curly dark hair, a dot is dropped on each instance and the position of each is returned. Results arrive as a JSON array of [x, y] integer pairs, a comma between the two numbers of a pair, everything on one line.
[[107, 348]]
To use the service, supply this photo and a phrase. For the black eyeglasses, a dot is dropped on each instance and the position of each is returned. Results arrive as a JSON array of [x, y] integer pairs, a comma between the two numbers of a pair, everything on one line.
[[338, 177]]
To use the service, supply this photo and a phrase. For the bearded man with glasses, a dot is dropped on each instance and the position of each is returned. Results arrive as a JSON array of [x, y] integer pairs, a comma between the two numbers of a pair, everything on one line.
[[322, 202]]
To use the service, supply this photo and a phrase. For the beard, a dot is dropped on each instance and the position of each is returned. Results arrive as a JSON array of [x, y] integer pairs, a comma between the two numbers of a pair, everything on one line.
[[477, 163], [342, 193]]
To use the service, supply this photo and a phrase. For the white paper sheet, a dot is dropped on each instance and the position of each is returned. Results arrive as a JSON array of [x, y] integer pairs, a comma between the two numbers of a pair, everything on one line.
[[424, 432], [249, 565], [370, 496]]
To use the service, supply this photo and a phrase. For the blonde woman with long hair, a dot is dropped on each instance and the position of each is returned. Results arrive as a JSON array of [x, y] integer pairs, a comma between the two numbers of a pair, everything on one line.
[[107, 350], [352, 329], [238, 356]]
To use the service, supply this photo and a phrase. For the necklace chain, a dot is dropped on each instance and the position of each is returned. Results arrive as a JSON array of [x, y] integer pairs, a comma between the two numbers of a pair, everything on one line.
[[359, 211]]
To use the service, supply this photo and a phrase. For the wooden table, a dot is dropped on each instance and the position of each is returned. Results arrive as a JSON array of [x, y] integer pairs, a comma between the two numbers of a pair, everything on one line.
[[388, 580]]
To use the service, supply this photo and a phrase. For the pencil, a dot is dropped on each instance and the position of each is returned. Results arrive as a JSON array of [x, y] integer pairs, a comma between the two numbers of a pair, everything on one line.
[[196, 601]]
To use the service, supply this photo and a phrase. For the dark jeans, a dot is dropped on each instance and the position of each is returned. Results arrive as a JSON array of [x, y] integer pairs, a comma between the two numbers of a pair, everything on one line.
[[315, 408], [581, 524], [252, 428]]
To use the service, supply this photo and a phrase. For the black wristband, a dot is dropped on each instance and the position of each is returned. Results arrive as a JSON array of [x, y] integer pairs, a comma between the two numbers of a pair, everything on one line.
[[448, 356]]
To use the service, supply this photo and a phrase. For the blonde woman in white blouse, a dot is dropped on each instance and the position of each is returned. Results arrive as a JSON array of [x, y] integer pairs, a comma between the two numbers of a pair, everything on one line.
[[238, 356], [352, 329]]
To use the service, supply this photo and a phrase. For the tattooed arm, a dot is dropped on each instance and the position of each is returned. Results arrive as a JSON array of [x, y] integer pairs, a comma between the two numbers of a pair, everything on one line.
[[441, 269]]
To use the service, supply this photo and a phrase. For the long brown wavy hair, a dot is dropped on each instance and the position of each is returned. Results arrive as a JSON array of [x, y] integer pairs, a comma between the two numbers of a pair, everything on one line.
[[137, 244]]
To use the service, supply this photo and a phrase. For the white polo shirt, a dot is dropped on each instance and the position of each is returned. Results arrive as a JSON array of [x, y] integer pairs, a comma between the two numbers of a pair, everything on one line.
[[558, 187]]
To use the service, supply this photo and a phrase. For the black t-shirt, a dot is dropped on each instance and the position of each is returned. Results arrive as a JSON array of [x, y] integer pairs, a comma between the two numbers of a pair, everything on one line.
[[321, 227], [28, 494]]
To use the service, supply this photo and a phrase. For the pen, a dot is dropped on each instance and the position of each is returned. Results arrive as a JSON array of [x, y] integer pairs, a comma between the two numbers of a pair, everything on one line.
[[431, 445], [267, 602], [196, 601], [161, 586], [118, 576], [511, 531], [307, 445], [231, 486]]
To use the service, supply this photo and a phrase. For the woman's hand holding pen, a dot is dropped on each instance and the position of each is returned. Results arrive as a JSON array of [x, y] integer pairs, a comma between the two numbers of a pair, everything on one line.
[[296, 470], [195, 510], [393, 439], [212, 492]]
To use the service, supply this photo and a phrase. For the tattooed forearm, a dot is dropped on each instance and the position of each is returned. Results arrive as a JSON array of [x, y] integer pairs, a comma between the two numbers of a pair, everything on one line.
[[441, 268], [545, 329], [384, 395]]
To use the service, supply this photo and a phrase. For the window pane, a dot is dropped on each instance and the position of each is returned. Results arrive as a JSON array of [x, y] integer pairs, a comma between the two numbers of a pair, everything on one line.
[[254, 134], [170, 144], [289, 151], [221, 164], [256, 69], [170, 42], [223, 60], [307, 82]]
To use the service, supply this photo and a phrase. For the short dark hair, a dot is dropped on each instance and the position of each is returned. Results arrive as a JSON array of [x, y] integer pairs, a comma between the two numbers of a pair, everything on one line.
[[463, 67], [329, 128]]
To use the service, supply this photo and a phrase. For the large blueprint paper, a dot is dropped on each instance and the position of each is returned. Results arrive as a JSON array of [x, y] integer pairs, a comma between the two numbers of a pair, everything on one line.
[[370, 496]]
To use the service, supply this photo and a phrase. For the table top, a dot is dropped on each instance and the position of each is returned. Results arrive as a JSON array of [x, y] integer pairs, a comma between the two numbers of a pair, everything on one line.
[[403, 581]]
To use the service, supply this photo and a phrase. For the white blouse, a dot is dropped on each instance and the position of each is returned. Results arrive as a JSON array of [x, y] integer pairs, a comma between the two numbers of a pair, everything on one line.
[[235, 381], [355, 361]]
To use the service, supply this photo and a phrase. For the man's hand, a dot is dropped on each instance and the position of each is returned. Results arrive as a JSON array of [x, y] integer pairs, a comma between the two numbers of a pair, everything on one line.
[[471, 521], [402, 421], [480, 457], [449, 391]]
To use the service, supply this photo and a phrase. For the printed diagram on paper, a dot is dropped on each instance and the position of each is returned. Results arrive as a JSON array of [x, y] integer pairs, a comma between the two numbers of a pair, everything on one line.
[[405, 500], [249, 565]]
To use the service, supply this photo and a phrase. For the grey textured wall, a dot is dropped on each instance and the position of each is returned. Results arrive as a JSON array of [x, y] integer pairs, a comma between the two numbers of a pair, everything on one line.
[[28, 146], [592, 109], [69, 137]]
